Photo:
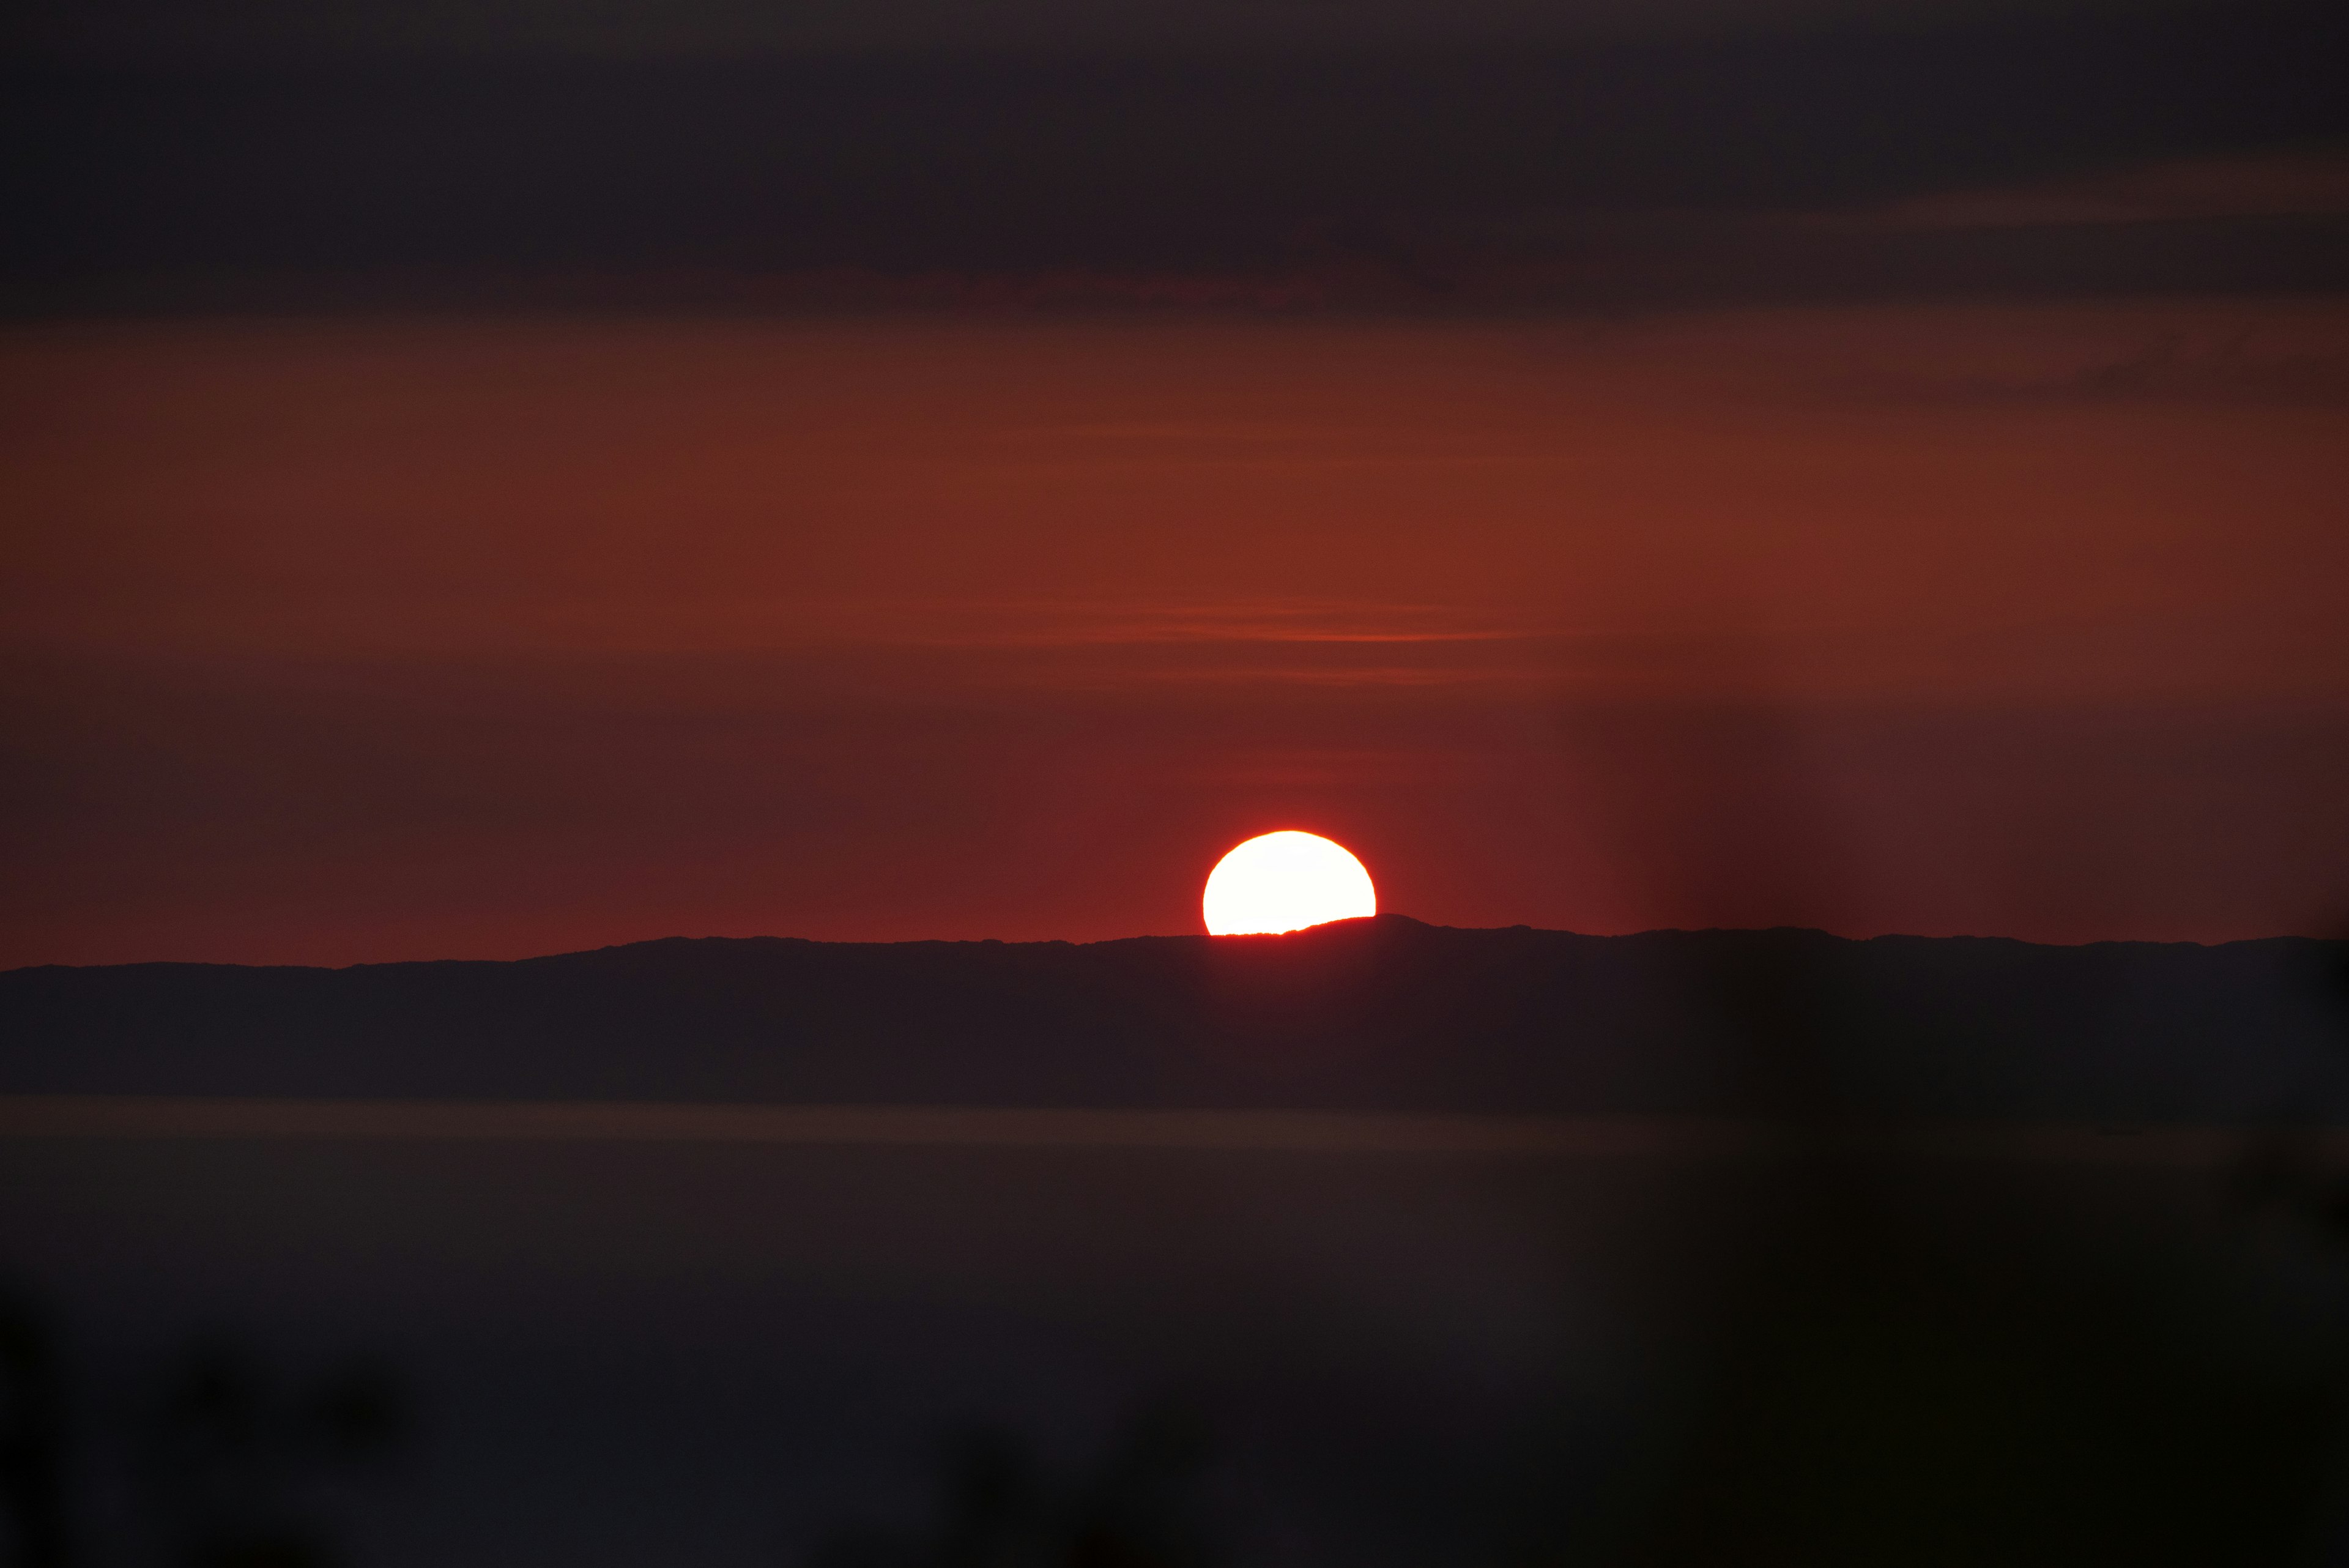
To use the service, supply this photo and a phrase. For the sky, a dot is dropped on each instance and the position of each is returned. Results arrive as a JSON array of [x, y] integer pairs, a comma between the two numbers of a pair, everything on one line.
[[509, 479]]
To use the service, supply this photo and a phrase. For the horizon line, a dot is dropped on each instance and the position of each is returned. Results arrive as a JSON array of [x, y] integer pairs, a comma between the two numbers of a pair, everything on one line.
[[1390, 916]]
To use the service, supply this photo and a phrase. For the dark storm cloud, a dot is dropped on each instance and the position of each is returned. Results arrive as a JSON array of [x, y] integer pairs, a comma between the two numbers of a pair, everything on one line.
[[254, 30], [1638, 170]]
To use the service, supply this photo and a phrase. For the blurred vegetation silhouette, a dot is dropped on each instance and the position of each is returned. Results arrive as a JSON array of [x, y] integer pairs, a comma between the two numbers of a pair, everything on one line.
[[1892, 1385], [1140, 1506], [33, 1437], [241, 1462], [2284, 1169], [1891, 1381], [238, 1466]]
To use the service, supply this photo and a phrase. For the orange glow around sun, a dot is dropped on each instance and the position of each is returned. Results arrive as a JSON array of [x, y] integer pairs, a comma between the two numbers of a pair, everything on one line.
[[1285, 882]]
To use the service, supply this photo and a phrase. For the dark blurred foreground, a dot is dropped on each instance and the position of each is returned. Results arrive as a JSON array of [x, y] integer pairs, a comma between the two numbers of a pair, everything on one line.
[[2118, 1345], [621, 1355]]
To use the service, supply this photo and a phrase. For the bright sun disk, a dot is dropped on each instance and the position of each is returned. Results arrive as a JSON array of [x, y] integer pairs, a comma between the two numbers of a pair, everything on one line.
[[1284, 882]]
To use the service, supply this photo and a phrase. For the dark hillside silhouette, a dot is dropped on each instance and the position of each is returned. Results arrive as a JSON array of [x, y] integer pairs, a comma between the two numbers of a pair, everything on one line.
[[1382, 1014]]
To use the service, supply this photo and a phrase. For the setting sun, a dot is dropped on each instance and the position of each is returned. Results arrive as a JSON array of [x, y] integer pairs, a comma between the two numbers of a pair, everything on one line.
[[1285, 882]]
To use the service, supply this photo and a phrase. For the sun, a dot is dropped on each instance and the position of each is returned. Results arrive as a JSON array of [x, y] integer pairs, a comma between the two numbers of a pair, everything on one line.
[[1285, 882]]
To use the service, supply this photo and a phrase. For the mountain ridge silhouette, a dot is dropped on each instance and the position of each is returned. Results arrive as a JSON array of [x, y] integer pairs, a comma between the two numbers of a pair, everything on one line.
[[1385, 1013]]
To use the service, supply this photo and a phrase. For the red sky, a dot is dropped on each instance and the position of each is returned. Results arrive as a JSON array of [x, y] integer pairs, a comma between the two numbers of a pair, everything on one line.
[[399, 639]]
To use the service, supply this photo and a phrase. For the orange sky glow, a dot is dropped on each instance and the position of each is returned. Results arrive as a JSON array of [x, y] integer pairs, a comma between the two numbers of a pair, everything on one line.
[[351, 640]]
